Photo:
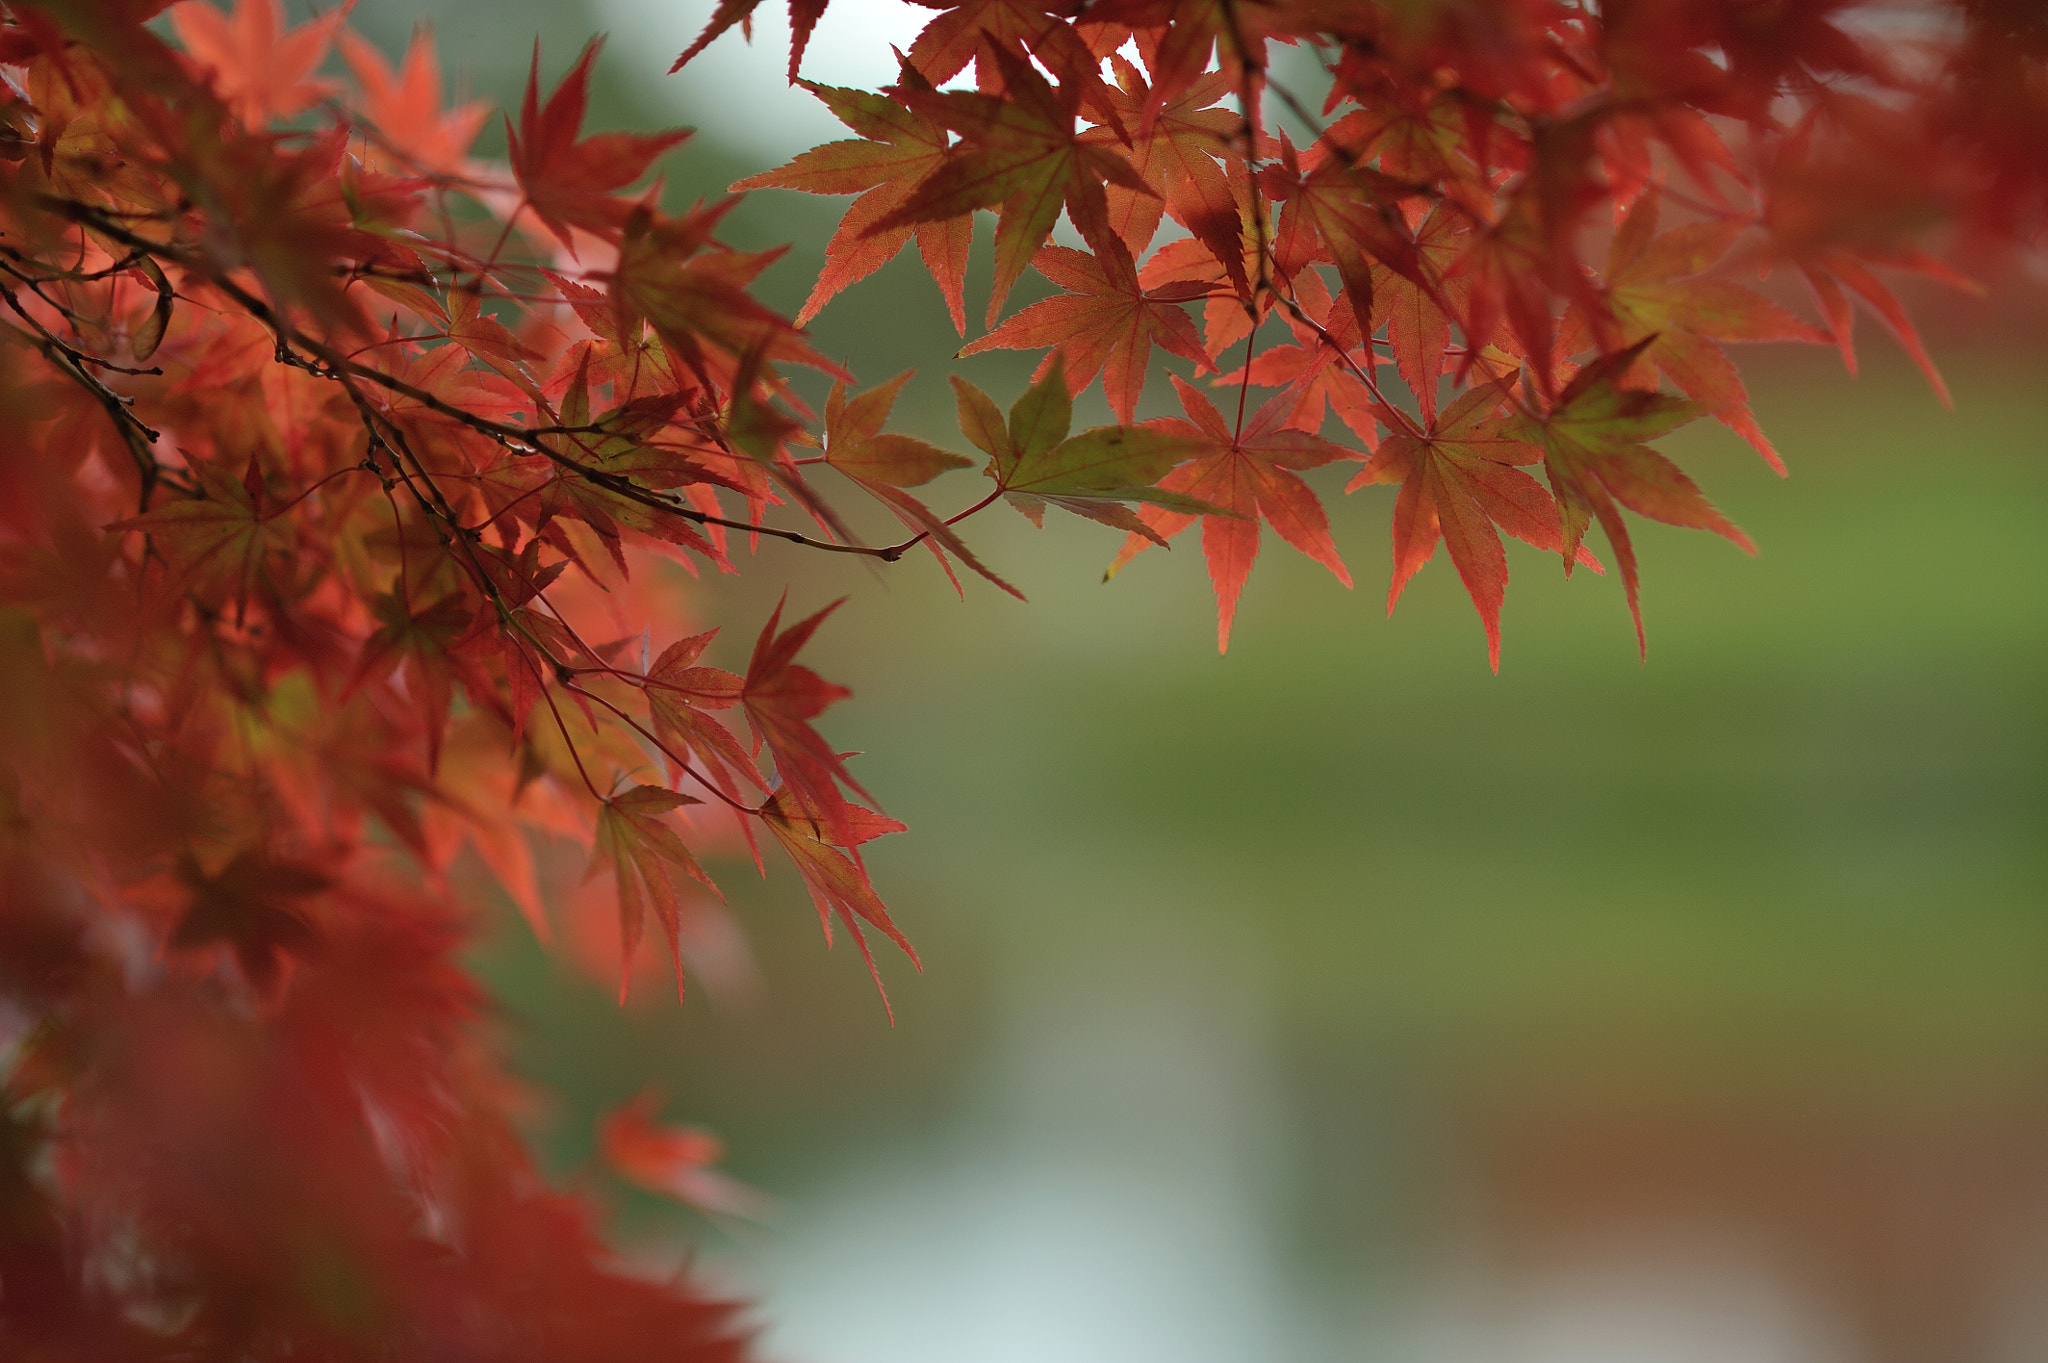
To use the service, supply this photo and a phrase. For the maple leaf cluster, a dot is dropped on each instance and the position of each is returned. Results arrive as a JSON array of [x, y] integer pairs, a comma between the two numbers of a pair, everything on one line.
[[340, 468], [1424, 267]]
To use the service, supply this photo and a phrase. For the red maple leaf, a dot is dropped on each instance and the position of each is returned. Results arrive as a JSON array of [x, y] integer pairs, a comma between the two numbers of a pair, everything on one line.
[[782, 697], [420, 640], [1418, 327], [1316, 371], [568, 181], [1245, 474], [1459, 481], [1835, 273], [963, 28], [899, 149], [250, 905], [803, 18], [1838, 198], [263, 70], [882, 464], [824, 847], [1019, 155], [636, 840], [1185, 32], [1338, 208], [1104, 324], [221, 547], [693, 290], [1184, 153], [682, 695], [675, 1161]]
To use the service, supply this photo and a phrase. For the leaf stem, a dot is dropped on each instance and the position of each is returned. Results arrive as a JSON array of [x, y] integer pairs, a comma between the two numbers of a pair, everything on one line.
[[1365, 375], [681, 764]]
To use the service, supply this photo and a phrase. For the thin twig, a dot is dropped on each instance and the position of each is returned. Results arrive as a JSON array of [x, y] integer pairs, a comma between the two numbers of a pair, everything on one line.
[[681, 764], [1365, 375]]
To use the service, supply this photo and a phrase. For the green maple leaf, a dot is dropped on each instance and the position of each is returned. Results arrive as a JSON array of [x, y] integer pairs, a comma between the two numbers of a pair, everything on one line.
[[1593, 451], [1034, 461], [1656, 293]]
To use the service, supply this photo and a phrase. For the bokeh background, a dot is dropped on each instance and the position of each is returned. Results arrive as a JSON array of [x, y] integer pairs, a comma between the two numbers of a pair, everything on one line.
[[1337, 999]]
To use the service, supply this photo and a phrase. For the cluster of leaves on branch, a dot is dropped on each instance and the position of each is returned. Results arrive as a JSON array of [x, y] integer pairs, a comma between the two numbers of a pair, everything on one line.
[[1441, 223], [337, 468]]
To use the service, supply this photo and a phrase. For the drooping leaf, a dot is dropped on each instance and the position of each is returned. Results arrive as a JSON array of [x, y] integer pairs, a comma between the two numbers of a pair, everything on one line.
[[1655, 291], [819, 843], [1033, 461], [1243, 475], [640, 846], [1836, 273], [147, 337], [1593, 451], [1460, 479], [682, 696], [781, 697]]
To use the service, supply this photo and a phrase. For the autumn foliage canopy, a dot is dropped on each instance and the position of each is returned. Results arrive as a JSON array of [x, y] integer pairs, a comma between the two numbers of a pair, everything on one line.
[[336, 465]]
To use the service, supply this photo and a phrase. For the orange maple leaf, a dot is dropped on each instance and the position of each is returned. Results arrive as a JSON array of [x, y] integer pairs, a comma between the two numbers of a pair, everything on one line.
[[675, 1161], [405, 106], [1019, 155], [829, 862], [645, 854], [1182, 153], [263, 71]]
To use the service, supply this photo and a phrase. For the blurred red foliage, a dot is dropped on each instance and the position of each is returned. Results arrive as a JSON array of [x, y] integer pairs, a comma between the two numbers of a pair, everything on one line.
[[316, 432]]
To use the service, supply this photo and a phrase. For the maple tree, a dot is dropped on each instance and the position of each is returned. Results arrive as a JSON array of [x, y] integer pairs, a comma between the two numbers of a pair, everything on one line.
[[339, 464]]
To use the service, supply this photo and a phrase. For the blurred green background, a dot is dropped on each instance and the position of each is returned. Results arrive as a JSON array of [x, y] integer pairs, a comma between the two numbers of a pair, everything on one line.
[[1338, 999]]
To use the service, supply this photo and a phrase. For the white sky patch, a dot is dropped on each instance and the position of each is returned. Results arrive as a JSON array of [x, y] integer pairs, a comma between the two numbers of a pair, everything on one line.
[[742, 89]]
